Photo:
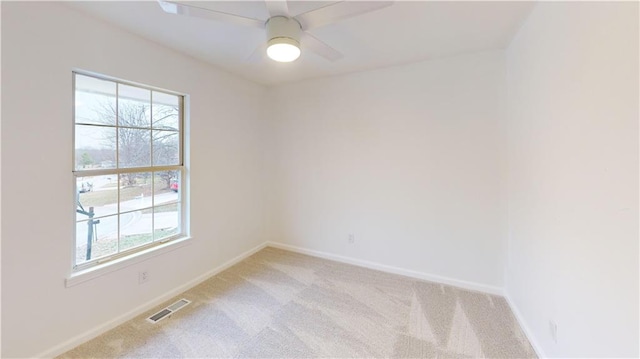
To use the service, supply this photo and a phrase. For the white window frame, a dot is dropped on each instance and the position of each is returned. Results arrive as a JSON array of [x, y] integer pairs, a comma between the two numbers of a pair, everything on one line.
[[156, 245]]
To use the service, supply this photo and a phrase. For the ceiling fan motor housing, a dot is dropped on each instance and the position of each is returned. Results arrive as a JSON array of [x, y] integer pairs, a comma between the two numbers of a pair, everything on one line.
[[283, 29]]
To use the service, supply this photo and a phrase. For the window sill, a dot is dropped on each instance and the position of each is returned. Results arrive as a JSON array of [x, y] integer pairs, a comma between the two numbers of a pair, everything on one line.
[[94, 272]]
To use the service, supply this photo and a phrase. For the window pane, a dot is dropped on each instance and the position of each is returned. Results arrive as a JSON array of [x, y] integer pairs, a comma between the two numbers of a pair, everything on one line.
[[95, 147], [135, 229], [166, 221], [135, 191], [99, 192], [102, 241], [95, 101], [134, 105], [167, 186], [166, 111], [166, 148], [134, 148], [120, 128]]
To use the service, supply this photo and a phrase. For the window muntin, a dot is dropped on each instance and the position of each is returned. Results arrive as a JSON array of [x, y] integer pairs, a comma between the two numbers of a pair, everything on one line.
[[128, 168]]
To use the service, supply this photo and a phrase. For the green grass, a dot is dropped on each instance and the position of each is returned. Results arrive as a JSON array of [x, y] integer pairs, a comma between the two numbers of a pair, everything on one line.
[[101, 198], [161, 208]]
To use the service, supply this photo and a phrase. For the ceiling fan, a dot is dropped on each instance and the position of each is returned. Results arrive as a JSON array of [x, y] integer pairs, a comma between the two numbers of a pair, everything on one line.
[[286, 33]]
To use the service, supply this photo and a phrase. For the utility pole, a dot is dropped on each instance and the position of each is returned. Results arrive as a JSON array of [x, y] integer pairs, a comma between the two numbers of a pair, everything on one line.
[[90, 223]]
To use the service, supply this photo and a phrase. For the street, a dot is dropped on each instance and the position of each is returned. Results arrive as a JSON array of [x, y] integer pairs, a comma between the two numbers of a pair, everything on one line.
[[133, 222]]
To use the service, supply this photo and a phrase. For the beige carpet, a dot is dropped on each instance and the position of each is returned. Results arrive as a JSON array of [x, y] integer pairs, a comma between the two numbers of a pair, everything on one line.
[[278, 304]]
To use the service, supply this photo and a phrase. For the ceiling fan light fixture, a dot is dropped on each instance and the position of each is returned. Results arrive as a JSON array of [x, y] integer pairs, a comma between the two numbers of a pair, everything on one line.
[[283, 49], [283, 39], [284, 32]]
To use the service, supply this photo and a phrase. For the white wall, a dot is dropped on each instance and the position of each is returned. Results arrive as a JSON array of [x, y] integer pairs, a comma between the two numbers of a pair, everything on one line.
[[41, 44], [0, 187], [573, 177], [409, 159]]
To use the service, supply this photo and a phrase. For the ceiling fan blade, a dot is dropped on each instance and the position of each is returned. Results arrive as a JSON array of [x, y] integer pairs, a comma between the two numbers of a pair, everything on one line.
[[173, 7], [277, 8], [338, 11], [308, 42], [258, 54]]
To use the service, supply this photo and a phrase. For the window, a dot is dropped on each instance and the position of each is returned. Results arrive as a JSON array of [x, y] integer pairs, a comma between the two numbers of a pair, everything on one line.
[[128, 168]]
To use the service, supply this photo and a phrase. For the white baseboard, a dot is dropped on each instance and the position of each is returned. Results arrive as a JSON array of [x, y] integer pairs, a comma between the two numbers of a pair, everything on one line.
[[524, 326], [100, 329], [390, 269]]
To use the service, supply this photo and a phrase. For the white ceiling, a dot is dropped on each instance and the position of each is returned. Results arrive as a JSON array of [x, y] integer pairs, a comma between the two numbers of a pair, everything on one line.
[[404, 32]]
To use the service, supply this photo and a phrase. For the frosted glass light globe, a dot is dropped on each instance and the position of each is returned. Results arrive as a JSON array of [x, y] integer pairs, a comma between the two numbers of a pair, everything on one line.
[[283, 49]]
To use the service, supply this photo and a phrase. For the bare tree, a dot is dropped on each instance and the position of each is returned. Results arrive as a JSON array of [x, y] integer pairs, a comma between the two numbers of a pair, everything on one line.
[[136, 138]]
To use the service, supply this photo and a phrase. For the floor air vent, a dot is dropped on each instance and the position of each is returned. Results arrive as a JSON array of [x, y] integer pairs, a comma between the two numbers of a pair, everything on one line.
[[166, 312]]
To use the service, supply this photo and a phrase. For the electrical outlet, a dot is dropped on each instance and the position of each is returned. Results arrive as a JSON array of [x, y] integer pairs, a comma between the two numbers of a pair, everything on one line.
[[352, 238], [143, 277], [553, 326]]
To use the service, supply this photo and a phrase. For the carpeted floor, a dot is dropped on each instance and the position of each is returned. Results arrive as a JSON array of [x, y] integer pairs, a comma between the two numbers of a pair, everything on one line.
[[278, 304]]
